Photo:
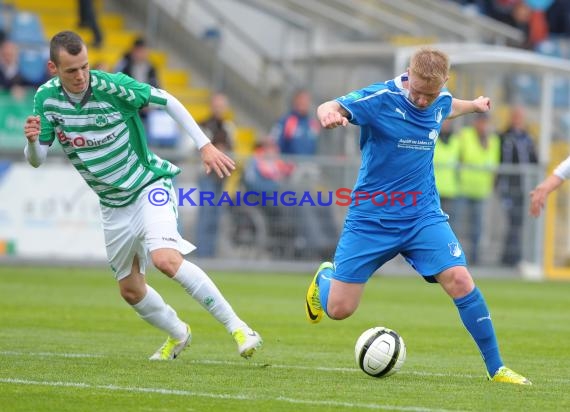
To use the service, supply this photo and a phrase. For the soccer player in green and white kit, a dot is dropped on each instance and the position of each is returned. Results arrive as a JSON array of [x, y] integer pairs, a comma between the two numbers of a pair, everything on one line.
[[94, 115]]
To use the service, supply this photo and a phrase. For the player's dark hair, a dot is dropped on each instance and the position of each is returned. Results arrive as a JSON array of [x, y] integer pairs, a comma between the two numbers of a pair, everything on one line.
[[70, 41]]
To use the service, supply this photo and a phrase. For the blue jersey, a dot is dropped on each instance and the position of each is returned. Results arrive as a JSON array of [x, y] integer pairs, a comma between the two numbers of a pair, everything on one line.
[[397, 140]]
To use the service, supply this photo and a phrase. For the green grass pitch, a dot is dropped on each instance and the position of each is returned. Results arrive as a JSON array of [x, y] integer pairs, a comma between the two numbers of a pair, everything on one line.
[[69, 343]]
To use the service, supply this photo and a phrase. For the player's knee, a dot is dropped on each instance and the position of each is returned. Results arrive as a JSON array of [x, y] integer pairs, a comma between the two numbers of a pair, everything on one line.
[[168, 263], [165, 265], [339, 311], [463, 283], [132, 295], [457, 282]]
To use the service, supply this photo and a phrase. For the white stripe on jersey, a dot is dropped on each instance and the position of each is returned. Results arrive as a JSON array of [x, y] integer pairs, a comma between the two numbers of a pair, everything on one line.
[[64, 104], [119, 195], [85, 120], [378, 93], [133, 178], [118, 174], [121, 157]]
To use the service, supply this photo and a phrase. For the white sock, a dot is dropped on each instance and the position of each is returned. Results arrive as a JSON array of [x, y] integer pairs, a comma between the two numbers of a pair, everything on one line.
[[155, 311], [195, 281]]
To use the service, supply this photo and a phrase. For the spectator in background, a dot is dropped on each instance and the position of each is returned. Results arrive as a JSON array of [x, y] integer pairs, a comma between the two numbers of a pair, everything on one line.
[[517, 148], [558, 17], [446, 169], [266, 171], [136, 64], [538, 19], [221, 133], [11, 79], [9, 67], [502, 10], [296, 133], [88, 19], [217, 127], [480, 153], [538, 29], [523, 16]]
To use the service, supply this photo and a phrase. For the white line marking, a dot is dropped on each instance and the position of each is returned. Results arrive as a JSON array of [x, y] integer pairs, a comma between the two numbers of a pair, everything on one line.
[[267, 365], [234, 363], [51, 354], [327, 369], [181, 392]]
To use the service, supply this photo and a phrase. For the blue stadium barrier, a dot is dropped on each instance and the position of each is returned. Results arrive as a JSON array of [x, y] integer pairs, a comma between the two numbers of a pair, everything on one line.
[[33, 65], [26, 28]]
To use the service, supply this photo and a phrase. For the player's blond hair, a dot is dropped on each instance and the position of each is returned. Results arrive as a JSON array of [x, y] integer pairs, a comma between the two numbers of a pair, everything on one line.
[[430, 64]]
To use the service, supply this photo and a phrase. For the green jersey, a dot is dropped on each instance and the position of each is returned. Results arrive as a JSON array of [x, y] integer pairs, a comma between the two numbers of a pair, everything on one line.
[[103, 135]]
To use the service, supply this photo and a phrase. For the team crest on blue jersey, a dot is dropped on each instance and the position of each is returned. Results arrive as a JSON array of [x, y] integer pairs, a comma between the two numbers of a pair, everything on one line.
[[454, 249], [433, 135], [100, 120], [438, 114]]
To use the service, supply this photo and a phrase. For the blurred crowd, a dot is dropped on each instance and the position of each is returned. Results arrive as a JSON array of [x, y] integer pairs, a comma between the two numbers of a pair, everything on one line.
[[538, 19], [282, 160]]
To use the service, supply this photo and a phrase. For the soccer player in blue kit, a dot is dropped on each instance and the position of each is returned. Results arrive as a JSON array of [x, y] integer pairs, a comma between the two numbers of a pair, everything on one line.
[[395, 206]]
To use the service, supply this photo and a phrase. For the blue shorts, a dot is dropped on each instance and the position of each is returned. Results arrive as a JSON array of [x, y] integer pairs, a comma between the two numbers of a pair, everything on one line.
[[366, 243]]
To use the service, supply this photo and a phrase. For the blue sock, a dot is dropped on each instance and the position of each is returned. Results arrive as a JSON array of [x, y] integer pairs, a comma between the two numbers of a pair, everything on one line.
[[477, 320], [324, 287]]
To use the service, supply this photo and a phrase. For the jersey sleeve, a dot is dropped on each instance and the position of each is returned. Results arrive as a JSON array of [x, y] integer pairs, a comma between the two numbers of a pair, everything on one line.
[[158, 97], [360, 104], [47, 132], [563, 169], [125, 90]]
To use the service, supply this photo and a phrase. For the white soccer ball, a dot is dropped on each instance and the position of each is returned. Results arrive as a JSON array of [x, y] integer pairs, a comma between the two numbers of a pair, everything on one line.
[[380, 352]]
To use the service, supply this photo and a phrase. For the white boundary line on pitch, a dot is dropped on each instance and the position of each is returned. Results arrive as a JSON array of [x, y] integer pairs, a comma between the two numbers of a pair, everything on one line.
[[235, 363], [181, 392], [266, 365], [51, 354], [326, 369]]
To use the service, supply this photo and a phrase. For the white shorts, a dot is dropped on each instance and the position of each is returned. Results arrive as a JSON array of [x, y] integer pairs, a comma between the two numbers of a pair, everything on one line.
[[148, 224]]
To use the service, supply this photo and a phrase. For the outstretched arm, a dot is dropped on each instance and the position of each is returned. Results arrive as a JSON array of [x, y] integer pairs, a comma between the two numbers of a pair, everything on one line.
[[460, 107], [35, 152], [331, 114], [212, 158], [540, 193]]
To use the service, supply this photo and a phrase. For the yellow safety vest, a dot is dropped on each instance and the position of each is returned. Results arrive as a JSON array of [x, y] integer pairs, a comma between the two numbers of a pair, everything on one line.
[[478, 164], [445, 164]]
